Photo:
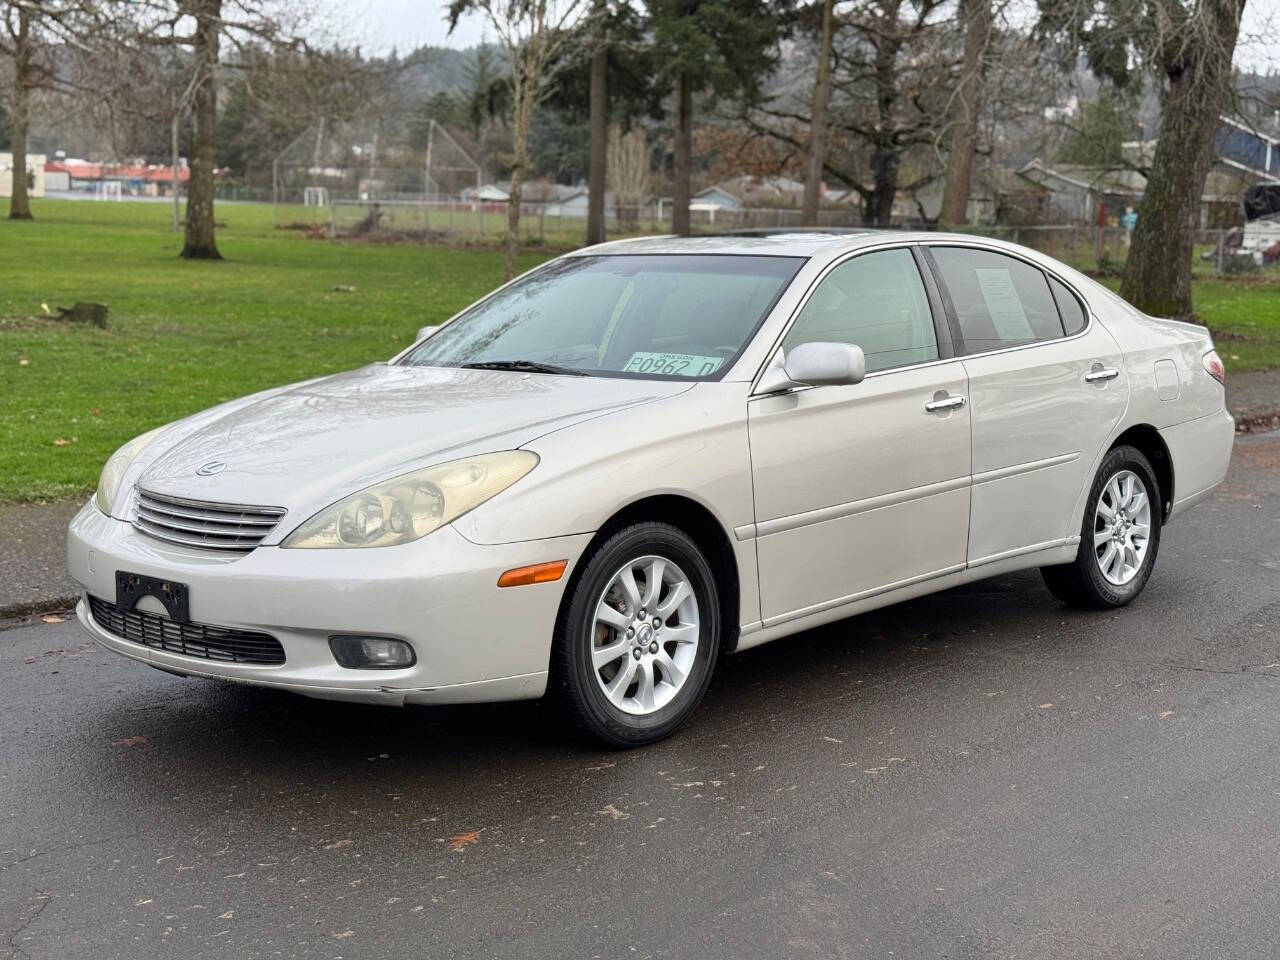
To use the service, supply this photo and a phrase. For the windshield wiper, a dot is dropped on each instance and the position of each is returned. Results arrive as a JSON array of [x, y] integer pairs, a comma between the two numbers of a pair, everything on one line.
[[524, 366]]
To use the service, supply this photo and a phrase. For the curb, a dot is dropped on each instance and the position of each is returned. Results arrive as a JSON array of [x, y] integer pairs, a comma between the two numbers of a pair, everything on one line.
[[30, 608]]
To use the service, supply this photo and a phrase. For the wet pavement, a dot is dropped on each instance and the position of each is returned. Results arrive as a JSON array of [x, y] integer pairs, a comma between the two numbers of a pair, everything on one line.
[[980, 773]]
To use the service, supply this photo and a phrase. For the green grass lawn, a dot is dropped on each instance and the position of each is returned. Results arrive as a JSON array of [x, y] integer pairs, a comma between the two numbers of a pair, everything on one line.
[[184, 336]]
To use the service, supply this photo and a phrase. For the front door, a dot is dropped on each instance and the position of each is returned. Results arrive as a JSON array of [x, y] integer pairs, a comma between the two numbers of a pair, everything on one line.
[[862, 488]]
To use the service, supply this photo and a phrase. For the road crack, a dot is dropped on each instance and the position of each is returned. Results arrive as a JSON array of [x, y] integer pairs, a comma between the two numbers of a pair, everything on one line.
[[43, 900]]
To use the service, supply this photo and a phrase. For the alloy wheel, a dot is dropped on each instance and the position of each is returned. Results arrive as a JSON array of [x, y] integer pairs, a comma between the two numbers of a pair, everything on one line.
[[645, 635], [1122, 528]]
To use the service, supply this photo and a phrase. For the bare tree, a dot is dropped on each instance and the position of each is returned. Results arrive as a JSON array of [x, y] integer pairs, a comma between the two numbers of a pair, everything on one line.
[[1194, 52], [891, 70], [199, 26], [1188, 46], [533, 33], [32, 31], [976, 18], [818, 117]]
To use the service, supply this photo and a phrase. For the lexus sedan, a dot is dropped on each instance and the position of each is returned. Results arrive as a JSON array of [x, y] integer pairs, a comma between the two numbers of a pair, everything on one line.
[[642, 456]]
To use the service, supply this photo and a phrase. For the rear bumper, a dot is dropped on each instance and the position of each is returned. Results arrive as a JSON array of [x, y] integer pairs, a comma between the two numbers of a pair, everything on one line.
[[474, 641], [1201, 453]]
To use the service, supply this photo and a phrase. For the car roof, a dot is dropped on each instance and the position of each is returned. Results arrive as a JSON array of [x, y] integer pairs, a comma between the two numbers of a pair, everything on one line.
[[780, 243]]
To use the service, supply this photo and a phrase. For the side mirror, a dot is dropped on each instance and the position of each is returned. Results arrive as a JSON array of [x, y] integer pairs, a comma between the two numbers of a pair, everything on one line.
[[424, 332], [815, 365]]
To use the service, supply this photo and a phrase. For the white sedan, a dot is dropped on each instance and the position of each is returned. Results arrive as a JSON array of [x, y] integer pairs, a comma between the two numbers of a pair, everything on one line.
[[644, 455]]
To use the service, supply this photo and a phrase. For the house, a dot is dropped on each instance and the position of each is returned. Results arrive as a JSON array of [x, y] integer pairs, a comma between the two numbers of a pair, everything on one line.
[[718, 197], [1246, 149], [1086, 194], [57, 179], [136, 180], [571, 204], [996, 195], [35, 174]]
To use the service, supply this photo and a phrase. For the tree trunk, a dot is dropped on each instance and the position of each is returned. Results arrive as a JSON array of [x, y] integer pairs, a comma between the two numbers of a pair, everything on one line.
[[599, 110], [964, 134], [1157, 276], [200, 243], [884, 178], [524, 96], [884, 149], [683, 186], [176, 185], [818, 119], [20, 117]]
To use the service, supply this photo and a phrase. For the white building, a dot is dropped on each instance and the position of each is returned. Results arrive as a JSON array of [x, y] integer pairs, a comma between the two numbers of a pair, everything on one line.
[[35, 171]]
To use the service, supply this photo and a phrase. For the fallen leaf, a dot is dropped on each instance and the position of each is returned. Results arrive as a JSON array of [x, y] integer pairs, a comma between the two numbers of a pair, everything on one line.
[[226, 916], [128, 742], [63, 442], [614, 812], [45, 308], [53, 618], [339, 844], [23, 362], [1045, 706], [1165, 713], [465, 839], [96, 411], [344, 935]]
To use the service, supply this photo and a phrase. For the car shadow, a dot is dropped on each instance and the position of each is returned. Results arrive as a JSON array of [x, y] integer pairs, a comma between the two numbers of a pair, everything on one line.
[[207, 723]]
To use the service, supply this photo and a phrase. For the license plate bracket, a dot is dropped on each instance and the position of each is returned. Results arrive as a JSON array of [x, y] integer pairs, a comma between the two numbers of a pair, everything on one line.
[[174, 596]]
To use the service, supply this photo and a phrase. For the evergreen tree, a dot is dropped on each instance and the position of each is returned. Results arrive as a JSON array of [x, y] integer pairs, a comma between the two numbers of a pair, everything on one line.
[[723, 48], [1095, 140]]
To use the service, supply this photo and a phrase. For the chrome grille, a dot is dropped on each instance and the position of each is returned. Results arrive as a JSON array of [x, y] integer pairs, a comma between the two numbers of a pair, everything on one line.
[[201, 640], [195, 523]]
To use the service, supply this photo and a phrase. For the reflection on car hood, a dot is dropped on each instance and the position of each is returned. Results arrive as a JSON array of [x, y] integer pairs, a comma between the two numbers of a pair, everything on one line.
[[305, 446]]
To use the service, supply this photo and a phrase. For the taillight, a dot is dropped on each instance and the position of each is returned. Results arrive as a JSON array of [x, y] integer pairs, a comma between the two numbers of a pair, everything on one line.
[[1213, 366]]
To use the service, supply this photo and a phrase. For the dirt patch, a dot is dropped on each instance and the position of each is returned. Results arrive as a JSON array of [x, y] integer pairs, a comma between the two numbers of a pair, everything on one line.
[[1260, 423]]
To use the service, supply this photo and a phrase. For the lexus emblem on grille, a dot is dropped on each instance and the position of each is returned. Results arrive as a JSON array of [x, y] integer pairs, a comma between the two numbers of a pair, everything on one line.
[[212, 468]]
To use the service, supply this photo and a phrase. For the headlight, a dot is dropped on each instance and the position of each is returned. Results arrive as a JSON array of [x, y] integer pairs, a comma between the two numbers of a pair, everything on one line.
[[411, 506], [114, 470]]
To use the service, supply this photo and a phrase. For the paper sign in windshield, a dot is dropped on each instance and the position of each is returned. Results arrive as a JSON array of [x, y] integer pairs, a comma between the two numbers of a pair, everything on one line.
[[673, 364], [1007, 315]]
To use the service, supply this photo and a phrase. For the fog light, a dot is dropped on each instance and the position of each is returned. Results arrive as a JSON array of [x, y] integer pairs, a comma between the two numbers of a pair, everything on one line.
[[372, 653]]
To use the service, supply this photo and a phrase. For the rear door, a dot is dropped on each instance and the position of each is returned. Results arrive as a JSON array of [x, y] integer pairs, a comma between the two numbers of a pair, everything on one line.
[[1046, 390], [865, 487]]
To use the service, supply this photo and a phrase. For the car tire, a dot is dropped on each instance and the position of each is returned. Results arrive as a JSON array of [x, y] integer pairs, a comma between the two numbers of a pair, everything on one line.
[[625, 673], [1116, 531]]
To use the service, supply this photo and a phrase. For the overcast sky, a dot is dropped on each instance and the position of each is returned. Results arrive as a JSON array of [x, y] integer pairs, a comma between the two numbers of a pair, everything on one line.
[[380, 25]]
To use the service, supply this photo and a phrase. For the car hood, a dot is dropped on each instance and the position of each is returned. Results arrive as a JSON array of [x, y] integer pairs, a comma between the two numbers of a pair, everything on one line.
[[305, 446]]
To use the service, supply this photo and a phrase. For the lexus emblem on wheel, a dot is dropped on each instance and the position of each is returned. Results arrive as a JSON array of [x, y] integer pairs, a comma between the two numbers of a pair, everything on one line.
[[210, 469]]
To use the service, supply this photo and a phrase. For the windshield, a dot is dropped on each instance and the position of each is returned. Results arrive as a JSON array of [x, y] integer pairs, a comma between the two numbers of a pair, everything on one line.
[[670, 317]]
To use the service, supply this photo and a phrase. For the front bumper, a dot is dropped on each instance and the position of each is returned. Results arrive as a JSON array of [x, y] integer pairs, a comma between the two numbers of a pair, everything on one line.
[[474, 641]]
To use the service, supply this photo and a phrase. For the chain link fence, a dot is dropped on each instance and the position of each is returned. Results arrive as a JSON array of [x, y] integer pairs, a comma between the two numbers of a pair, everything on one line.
[[562, 224]]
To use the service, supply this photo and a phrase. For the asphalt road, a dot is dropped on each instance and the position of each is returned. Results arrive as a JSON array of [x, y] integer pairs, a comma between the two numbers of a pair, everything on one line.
[[978, 774]]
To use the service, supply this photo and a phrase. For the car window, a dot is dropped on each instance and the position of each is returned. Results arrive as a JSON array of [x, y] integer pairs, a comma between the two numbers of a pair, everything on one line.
[[999, 301], [646, 315], [877, 301], [1073, 315]]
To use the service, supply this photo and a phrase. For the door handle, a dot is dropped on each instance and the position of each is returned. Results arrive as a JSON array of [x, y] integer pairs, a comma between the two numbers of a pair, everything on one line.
[[1099, 374], [944, 403]]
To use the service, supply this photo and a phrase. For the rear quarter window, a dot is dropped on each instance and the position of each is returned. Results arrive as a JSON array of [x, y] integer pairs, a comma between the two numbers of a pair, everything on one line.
[[1072, 311]]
